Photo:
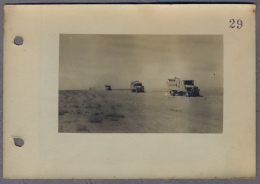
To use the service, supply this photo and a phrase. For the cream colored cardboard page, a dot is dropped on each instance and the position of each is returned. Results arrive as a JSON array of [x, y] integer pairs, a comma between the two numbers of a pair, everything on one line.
[[73, 126]]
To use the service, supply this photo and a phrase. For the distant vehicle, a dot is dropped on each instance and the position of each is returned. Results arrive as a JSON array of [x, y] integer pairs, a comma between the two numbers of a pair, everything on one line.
[[108, 87], [182, 87], [136, 86]]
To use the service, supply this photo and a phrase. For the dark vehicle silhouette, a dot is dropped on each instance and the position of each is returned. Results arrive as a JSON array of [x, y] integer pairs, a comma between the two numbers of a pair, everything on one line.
[[136, 86], [108, 87]]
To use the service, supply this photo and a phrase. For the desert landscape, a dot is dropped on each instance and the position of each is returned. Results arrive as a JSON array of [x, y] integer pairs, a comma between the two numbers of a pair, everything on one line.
[[91, 64], [122, 111]]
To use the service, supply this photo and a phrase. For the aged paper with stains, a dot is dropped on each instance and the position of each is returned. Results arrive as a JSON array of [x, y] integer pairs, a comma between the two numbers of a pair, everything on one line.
[[129, 91]]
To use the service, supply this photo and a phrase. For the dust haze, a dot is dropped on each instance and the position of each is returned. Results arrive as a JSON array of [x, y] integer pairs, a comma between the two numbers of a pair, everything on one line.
[[95, 60]]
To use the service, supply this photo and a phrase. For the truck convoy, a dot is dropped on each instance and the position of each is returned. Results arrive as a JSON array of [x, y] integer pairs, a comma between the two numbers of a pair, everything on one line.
[[182, 87], [136, 86]]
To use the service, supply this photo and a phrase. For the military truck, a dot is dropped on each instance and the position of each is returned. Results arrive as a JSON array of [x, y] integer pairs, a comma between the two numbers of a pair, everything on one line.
[[182, 87], [136, 86], [108, 87]]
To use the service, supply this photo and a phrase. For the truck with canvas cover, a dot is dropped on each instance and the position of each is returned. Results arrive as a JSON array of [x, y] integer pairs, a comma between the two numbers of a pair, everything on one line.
[[136, 86], [182, 87]]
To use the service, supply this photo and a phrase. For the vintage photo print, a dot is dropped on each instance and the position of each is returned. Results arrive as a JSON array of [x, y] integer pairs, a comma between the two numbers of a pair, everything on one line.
[[140, 83], [129, 91]]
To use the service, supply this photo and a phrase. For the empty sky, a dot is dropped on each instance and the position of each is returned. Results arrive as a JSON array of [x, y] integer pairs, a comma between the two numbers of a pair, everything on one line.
[[95, 60]]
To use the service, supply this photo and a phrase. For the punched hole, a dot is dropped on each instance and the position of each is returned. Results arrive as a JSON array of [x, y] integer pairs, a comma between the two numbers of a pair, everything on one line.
[[18, 141], [18, 40]]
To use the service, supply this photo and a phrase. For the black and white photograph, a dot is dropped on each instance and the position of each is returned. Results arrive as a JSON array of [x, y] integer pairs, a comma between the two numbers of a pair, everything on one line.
[[140, 83]]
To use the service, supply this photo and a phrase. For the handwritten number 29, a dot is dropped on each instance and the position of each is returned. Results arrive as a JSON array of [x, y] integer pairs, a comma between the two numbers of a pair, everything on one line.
[[236, 24]]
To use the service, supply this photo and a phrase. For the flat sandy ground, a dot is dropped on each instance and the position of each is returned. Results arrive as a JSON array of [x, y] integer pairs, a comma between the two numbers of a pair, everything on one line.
[[122, 111]]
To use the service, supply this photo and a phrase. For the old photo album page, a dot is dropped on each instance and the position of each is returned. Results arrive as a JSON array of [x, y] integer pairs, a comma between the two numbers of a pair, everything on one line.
[[129, 91]]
